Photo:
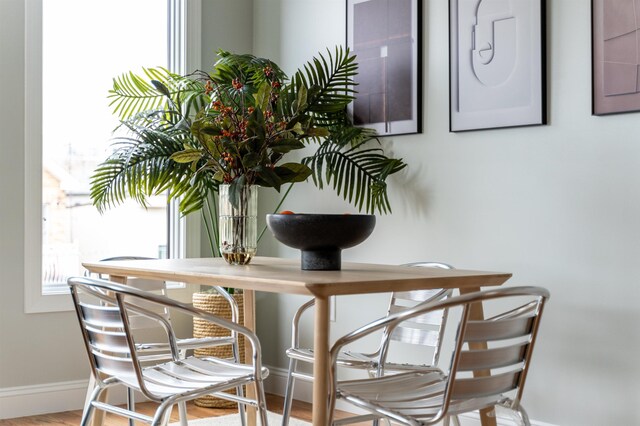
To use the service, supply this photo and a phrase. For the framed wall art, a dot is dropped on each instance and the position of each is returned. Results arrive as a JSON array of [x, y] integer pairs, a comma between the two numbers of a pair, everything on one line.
[[497, 64], [615, 60], [385, 35]]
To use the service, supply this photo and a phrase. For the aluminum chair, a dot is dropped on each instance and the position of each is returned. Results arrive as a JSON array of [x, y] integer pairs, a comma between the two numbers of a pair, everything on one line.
[[153, 351], [105, 312], [427, 334], [488, 367]]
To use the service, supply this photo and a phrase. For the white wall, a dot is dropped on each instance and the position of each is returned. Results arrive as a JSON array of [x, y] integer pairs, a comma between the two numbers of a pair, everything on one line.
[[556, 205]]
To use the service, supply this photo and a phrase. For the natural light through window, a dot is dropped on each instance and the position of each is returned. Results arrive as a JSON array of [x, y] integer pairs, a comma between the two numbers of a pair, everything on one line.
[[85, 44]]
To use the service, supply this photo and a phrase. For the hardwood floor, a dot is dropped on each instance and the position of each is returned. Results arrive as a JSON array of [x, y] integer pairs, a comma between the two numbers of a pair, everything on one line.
[[301, 410]]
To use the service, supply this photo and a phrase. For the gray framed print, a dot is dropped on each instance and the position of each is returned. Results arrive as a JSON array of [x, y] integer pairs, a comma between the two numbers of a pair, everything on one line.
[[496, 64], [385, 36], [615, 60]]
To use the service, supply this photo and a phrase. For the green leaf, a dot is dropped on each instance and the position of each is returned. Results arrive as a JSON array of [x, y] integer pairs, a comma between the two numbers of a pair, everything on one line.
[[219, 175], [186, 156], [293, 172], [285, 145], [318, 132], [209, 130], [301, 100], [161, 88], [250, 160], [262, 96], [268, 177]]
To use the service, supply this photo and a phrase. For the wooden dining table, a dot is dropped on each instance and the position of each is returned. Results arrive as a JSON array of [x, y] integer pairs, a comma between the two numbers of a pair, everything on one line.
[[278, 275]]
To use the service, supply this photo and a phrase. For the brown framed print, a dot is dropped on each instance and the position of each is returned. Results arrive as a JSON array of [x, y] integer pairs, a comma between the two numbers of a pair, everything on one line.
[[385, 36], [615, 60], [496, 64]]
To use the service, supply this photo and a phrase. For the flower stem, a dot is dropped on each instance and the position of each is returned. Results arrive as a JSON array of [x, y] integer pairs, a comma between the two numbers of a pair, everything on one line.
[[209, 224]]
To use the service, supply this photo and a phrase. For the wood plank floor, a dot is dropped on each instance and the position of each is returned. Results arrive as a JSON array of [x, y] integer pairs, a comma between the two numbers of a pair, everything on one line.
[[300, 410]]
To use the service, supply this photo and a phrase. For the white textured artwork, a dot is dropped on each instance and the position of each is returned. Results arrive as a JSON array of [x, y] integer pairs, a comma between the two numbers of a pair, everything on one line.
[[495, 73]]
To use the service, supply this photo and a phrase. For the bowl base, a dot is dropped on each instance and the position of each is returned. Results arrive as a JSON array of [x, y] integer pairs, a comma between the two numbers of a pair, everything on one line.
[[321, 260]]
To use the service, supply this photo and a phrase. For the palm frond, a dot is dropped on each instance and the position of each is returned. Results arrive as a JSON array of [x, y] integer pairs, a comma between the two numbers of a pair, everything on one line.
[[157, 89], [328, 80], [359, 175], [140, 167]]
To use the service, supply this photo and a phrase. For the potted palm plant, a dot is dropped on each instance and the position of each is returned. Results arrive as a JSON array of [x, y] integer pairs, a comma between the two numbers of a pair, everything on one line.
[[229, 130], [219, 134]]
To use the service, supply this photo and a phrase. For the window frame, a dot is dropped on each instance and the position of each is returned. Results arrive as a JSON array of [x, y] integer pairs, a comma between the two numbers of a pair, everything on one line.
[[185, 38]]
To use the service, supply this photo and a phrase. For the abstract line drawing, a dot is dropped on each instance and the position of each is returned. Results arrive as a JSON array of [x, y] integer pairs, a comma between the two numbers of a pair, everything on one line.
[[496, 63], [494, 42], [616, 56]]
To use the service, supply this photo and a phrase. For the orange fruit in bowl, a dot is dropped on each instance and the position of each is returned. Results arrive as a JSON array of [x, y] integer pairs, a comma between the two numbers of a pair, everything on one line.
[[286, 212]]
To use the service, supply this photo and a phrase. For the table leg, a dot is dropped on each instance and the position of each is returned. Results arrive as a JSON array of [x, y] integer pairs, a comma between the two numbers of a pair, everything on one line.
[[487, 415], [250, 323], [321, 362]]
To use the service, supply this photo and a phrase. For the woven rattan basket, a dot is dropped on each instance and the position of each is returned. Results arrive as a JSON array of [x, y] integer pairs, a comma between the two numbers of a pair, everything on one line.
[[217, 305]]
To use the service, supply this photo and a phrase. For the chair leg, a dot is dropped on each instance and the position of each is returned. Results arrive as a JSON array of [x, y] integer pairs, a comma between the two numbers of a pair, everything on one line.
[[182, 410], [89, 408], [288, 394], [131, 404], [87, 399], [523, 415], [162, 415], [262, 402], [241, 407]]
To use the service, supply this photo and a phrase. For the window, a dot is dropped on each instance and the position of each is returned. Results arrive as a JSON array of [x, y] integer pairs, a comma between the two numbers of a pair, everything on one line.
[[74, 49]]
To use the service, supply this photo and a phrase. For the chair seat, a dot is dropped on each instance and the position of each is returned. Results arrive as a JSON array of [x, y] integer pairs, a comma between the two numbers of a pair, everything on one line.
[[192, 374], [416, 394], [357, 360], [162, 351]]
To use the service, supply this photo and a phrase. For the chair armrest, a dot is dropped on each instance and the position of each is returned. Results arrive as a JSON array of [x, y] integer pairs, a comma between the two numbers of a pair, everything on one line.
[[295, 323], [229, 298]]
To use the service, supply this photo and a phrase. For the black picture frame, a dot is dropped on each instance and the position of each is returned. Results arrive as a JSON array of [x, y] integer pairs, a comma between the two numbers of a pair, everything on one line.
[[487, 91], [614, 60], [386, 37]]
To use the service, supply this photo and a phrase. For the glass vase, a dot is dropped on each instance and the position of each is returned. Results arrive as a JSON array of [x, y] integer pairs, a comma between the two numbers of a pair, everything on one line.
[[238, 224]]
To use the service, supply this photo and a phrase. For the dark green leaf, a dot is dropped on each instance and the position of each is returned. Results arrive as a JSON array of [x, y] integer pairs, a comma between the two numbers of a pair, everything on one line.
[[286, 145], [292, 172]]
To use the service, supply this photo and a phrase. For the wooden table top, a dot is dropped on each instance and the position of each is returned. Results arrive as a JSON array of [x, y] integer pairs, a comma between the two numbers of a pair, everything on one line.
[[285, 276]]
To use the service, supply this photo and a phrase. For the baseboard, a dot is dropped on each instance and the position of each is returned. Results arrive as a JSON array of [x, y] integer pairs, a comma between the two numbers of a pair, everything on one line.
[[276, 384], [47, 398]]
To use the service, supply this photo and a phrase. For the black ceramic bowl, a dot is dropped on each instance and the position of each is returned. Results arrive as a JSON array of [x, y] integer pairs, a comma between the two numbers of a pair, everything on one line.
[[321, 237]]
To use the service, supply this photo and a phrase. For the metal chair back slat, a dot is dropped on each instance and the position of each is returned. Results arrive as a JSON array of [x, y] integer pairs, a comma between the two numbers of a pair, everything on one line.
[[430, 318], [492, 358], [416, 336], [485, 386], [146, 284], [108, 341], [416, 295], [101, 315], [113, 365], [484, 331]]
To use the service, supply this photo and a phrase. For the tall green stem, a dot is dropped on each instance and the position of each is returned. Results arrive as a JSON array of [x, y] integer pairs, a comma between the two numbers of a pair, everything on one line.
[[211, 224]]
